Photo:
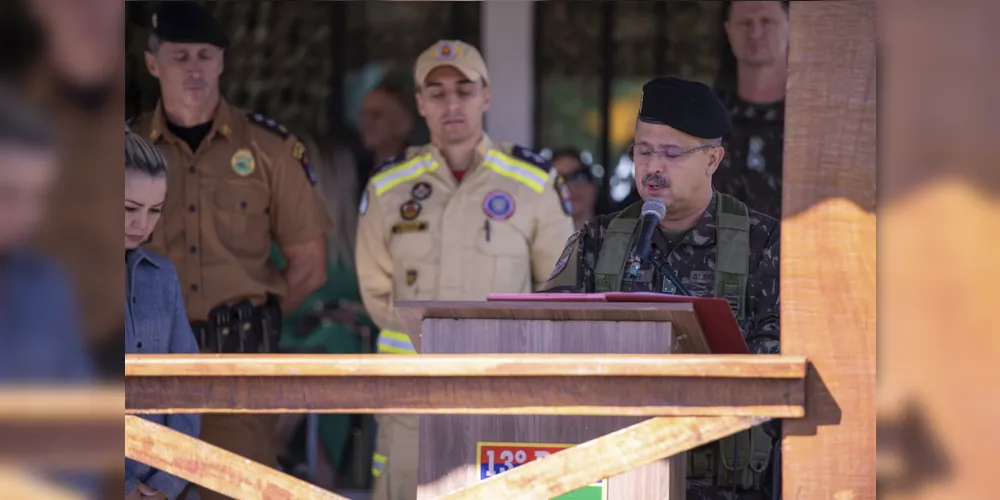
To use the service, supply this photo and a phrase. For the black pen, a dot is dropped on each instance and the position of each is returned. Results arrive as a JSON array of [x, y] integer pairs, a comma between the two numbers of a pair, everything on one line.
[[486, 226]]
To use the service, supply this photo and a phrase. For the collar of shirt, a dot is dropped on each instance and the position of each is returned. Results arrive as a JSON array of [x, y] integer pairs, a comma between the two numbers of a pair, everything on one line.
[[482, 148], [703, 233], [222, 124], [135, 258]]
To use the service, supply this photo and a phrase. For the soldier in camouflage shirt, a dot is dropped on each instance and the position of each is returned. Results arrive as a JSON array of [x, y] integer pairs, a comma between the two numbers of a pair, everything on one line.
[[752, 168], [691, 260], [677, 150]]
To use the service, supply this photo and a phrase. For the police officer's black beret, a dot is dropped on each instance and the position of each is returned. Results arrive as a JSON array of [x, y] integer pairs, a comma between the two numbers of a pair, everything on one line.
[[691, 107], [182, 21]]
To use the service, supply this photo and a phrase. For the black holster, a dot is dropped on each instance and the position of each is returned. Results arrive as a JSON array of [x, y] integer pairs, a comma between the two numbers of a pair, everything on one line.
[[241, 328]]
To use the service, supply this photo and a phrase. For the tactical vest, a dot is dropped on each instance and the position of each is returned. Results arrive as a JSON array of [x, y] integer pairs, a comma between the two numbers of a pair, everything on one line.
[[744, 456], [732, 265]]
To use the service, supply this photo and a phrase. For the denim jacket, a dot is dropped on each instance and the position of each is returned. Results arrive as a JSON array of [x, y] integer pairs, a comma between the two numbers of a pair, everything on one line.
[[156, 323]]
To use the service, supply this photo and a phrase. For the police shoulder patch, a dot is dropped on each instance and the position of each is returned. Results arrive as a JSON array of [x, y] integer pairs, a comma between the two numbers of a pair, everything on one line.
[[269, 123], [523, 153], [561, 263]]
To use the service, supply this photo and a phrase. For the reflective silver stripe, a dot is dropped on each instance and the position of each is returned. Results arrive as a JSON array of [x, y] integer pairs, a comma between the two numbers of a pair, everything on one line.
[[403, 172], [519, 170], [391, 342]]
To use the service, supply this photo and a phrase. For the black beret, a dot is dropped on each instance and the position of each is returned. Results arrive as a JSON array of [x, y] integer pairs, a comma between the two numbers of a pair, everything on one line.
[[182, 21], [691, 107]]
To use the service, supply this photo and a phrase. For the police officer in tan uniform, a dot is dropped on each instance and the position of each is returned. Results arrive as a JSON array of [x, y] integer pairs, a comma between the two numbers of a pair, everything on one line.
[[456, 219], [237, 183]]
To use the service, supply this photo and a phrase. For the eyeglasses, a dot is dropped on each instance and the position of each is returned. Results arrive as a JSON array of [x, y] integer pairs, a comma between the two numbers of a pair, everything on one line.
[[644, 153]]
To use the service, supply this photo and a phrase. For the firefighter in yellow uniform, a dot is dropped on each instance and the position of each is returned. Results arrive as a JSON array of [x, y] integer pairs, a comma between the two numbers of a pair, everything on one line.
[[456, 219]]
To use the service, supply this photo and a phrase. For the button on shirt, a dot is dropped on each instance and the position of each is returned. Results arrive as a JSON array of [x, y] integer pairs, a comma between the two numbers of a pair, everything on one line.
[[156, 323]]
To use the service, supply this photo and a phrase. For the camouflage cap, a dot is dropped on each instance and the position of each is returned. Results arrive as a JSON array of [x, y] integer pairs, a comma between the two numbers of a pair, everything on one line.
[[454, 53]]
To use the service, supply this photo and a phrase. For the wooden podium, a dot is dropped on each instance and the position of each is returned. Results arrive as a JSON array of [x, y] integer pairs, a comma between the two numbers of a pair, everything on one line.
[[459, 450]]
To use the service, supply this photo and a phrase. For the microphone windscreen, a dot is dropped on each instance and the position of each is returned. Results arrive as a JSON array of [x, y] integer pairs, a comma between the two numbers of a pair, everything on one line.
[[655, 207]]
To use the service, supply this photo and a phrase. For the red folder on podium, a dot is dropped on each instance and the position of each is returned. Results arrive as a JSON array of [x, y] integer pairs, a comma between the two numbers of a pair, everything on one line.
[[716, 318]]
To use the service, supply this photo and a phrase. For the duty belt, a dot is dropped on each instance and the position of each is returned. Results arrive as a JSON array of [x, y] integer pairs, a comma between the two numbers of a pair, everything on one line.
[[240, 328]]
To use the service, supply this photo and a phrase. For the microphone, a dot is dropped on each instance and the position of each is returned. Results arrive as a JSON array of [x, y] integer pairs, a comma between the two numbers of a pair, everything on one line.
[[653, 211]]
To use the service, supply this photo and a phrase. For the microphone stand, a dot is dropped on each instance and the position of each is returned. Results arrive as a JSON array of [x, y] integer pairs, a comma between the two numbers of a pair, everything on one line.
[[660, 263]]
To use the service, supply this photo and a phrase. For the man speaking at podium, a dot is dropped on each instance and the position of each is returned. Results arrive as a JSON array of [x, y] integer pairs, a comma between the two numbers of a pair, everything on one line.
[[685, 238]]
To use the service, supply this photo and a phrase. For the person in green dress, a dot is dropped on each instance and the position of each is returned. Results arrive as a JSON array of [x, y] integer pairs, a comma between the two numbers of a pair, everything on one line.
[[332, 320]]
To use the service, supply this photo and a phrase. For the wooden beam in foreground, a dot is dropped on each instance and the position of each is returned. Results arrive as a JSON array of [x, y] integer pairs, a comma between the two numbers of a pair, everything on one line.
[[212, 467], [606, 456], [828, 247], [497, 385], [445, 365], [61, 427]]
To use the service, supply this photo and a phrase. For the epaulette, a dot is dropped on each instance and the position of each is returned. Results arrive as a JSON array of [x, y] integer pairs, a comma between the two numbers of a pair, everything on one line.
[[386, 165], [531, 157], [269, 123]]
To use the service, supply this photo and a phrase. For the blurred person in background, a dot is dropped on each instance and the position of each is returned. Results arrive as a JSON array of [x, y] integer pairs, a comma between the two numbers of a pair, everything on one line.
[[332, 320], [387, 120], [155, 317], [40, 332], [752, 168], [456, 219], [239, 182], [79, 80], [580, 180], [41, 335]]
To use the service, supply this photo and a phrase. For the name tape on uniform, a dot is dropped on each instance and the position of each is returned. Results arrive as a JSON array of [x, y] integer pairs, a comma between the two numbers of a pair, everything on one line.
[[496, 458], [414, 226]]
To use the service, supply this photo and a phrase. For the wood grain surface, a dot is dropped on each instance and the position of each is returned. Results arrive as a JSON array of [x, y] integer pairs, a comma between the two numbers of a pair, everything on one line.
[[828, 261], [449, 365], [219, 470], [682, 317], [636, 396], [448, 443]]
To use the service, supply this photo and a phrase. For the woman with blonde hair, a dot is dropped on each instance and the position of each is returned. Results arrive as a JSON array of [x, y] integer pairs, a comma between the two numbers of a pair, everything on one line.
[[332, 320]]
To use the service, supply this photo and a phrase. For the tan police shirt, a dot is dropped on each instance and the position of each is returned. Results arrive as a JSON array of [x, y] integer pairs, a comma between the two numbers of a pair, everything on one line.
[[424, 236], [248, 184]]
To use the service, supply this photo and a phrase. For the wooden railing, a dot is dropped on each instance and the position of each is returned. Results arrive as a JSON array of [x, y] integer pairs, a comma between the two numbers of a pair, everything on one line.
[[695, 399]]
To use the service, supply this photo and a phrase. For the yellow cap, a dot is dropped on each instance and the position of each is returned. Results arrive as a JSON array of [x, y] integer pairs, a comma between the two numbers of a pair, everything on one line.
[[454, 53]]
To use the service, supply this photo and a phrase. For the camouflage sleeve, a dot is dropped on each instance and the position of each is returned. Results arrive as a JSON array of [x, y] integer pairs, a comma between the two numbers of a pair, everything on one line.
[[763, 326], [574, 271]]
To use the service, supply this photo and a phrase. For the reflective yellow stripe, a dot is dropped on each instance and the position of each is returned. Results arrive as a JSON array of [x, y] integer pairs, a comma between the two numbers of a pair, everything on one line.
[[408, 170], [378, 464], [390, 342], [519, 170]]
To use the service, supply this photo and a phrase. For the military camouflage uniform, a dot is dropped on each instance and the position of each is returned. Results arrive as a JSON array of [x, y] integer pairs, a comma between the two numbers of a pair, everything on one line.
[[751, 169], [691, 259]]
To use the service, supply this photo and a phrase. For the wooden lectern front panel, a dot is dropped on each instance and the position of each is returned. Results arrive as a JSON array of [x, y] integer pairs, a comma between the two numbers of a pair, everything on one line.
[[460, 450]]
